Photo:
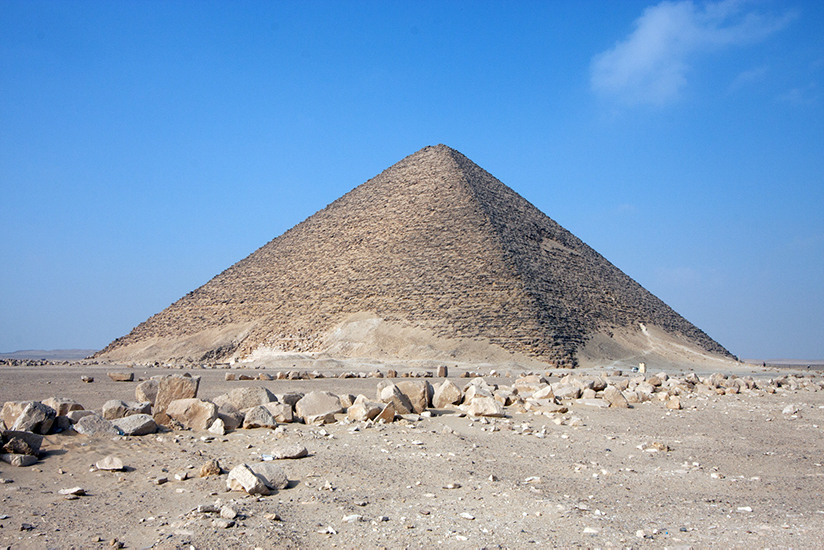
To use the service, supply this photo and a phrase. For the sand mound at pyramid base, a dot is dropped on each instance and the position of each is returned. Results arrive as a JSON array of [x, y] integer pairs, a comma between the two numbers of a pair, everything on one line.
[[207, 346], [368, 337], [627, 347]]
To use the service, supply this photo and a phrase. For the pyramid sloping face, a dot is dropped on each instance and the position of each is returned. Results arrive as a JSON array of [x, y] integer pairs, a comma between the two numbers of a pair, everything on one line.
[[434, 242]]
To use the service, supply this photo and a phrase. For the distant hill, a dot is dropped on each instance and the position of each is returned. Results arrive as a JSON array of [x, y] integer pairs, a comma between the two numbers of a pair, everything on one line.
[[49, 354]]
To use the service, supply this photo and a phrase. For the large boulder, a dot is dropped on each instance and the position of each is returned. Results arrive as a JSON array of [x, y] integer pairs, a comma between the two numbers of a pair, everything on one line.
[[318, 406], [231, 416], [242, 478], [614, 396], [259, 417], [446, 394], [62, 405], [365, 410], [418, 394], [36, 418], [11, 410], [94, 424], [246, 398], [272, 475], [195, 414], [147, 391], [172, 388], [136, 424], [24, 443], [389, 393], [280, 412], [485, 406], [115, 408]]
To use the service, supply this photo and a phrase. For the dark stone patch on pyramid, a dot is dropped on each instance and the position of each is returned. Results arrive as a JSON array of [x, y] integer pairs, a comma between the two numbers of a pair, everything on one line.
[[434, 241]]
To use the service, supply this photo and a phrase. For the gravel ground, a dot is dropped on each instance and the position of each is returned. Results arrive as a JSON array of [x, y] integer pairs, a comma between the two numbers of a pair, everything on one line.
[[733, 472]]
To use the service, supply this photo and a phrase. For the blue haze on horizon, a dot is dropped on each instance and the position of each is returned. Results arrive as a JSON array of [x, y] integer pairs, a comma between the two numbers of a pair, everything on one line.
[[147, 146]]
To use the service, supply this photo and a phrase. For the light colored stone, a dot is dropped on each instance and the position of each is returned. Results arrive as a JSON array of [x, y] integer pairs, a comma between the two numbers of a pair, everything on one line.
[[115, 408], [77, 491], [446, 394], [18, 460], [363, 411], [35, 417], [388, 392], [272, 475], [136, 424], [279, 411], [567, 391], [293, 450], [147, 391], [172, 388], [245, 398], [387, 414], [195, 414], [418, 394], [317, 405], [674, 403], [227, 512], [11, 411], [242, 478], [259, 417], [62, 405], [544, 393], [94, 424], [614, 397], [218, 427], [74, 416], [111, 463], [121, 376], [485, 406], [231, 416]]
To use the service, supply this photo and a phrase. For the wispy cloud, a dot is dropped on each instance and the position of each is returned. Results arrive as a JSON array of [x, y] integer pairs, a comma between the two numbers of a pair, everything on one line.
[[746, 78], [651, 65]]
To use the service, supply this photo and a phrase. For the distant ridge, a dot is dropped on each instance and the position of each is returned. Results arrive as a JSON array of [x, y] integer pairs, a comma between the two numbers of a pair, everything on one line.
[[49, 355], [435, 244]]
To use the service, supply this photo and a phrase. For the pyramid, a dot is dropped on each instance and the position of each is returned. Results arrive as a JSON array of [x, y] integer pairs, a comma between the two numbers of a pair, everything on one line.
[[434, 246]]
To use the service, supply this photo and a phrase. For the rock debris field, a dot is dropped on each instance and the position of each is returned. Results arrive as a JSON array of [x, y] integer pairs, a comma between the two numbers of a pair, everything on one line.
[[102, 456]]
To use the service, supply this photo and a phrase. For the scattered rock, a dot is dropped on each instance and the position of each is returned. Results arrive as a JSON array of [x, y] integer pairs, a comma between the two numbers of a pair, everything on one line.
[[291, 451], [210, 468], [318, 407], [18, 459], [147, 391], [172, 388], [26, 443], [242, 478], [195, 414], [110, 463], [96, 425], [272, 475], [259, 417], [136, 424], [446, 394], [121, 376], [35, 417]]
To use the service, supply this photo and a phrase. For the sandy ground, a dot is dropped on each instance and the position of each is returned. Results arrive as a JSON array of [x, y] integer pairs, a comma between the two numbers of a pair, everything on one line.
[[738, 474]]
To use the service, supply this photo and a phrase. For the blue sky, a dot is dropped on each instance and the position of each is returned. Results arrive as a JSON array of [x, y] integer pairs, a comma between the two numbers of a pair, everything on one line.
[[147, 146]]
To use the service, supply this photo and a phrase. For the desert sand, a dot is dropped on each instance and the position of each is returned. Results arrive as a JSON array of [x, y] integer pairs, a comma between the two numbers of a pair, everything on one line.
[[728, 471]]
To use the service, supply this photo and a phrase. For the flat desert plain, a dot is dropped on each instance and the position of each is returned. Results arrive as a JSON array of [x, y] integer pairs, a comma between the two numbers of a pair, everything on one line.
[[725, 471]]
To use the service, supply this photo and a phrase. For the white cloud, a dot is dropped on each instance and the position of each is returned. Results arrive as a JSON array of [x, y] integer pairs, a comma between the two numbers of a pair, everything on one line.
[[745, 78], [651, 65]]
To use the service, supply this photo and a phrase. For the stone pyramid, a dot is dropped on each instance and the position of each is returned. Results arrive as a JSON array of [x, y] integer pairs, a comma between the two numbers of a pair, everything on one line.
[[433, 244]]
